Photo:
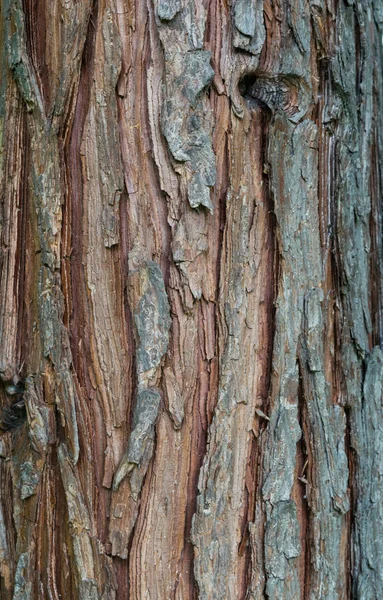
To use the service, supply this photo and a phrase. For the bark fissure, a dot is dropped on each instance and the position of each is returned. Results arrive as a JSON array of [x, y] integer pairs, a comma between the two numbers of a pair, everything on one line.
[[73, 226]]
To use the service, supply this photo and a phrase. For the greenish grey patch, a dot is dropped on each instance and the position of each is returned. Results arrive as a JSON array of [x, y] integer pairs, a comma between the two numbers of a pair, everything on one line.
[[55, 345], [5, 557], [354, 241], [141, 441], [78, 513], [184, 120], [88, 589], [378, 12], [257, 581], [367, 420], [326, 419], [313, 328], [46, 192], [21, 74], [152, 319], [353, 195], [283, 534], [40, 419], [137, 475], [23, 584], [199, 192], [279, 463], [282, 435], [352, 129], [210, 525], [80, 526], [250, 32], [18, 59], [108, 147], [30, 479], [343, 66], [196, 76], [167, 9], [144, 419], [49, 318], [299, 22], [299, 337], [245, 17], [4, 82]]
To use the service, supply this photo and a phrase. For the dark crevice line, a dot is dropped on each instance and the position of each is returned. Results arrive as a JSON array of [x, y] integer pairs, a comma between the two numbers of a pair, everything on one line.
[[262, 115], [327, 207], [303, 451], [124, 566], [339, 387], [20, 259], [124, 250], [74, 207], [200, 434], [201, 422], [222, 208], [198, 449], [77, 296], [358, 58], [78, 313], [336, 278], [121, 566], [222, 221], [350, 516], [376, 254], [245, 548]]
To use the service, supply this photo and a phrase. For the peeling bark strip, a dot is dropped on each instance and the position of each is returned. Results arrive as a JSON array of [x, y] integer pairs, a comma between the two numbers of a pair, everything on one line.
[[190, 300], [185, 114], [152, 321]]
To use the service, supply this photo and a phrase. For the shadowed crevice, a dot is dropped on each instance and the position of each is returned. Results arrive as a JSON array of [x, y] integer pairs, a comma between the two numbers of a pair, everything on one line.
[[302, 490], [74, 209], [262, 108], [13, 413]]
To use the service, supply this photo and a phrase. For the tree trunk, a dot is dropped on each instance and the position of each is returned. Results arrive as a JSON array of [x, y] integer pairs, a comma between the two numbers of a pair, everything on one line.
[[191, 300]]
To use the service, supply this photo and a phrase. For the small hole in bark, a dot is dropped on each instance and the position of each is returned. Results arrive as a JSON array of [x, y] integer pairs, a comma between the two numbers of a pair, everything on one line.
[[13, 412], [286, 93], [246, 87]]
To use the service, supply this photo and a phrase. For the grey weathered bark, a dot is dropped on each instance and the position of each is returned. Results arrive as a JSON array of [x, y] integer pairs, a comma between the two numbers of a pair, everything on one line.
[[191, 299]]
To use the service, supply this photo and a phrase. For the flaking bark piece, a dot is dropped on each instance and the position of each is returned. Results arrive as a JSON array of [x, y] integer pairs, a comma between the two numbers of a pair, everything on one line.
[[150, 307], [144, 419]]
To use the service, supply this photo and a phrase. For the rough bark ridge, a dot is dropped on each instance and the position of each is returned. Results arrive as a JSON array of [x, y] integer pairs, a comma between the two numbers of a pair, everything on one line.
[[191, 299]]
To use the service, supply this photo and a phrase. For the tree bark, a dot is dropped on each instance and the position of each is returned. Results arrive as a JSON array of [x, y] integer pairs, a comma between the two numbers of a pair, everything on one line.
[[191, 325]]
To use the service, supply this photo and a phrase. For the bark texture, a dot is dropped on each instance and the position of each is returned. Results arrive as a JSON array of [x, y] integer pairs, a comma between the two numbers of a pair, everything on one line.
[[191, 329]]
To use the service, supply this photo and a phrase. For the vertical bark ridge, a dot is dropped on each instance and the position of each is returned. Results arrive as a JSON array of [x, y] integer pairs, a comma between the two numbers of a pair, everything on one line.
[[238, 397], [73, 212]]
